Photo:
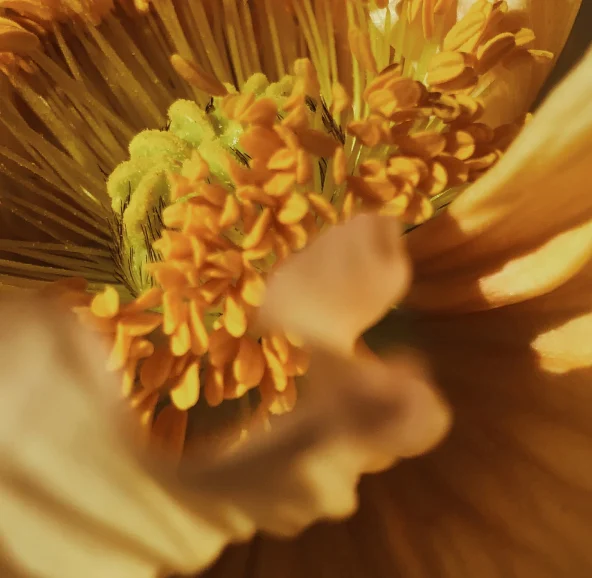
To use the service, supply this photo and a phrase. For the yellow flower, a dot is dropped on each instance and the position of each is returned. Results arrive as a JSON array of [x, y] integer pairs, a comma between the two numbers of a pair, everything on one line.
[[229, 135], [244, 181]]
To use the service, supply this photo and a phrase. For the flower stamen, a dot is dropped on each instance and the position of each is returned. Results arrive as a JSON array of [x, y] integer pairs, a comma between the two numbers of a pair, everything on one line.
[[274, 132]]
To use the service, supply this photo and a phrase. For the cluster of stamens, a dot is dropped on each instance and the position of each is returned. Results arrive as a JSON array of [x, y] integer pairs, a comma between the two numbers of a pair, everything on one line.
[[405, 144]]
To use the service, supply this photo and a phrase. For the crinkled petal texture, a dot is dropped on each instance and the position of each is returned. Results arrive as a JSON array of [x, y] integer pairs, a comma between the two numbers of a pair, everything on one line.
[[509, 493], [78, 500], [526, 226]]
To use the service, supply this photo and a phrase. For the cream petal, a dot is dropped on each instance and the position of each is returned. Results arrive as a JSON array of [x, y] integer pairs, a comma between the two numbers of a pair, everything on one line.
[[77, 499], [341, 284], [510, 491], [524, 228], [358, 412]]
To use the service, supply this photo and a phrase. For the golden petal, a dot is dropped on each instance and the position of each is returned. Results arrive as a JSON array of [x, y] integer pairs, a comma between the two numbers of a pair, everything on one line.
[[525, 227], [509, 489]]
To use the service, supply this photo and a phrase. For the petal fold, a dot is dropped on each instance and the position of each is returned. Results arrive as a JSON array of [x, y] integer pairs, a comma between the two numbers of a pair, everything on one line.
[[343, 283], [79, 499], [509, 493]]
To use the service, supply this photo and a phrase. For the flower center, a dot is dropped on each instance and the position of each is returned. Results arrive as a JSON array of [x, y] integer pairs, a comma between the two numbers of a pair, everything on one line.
[[140, 188], [290, 120]]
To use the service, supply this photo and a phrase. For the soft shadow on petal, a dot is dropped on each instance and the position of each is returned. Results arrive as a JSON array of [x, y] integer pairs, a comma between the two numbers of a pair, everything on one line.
[[509, 493], [342, 284], [78, 499], [360, 413], [515, 87], [524, 228]]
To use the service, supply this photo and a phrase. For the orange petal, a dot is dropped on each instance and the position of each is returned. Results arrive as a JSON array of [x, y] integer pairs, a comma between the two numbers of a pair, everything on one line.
[[169, 430], [235, 317], [249, 364], [199, 334], [525, 227], [180, 340], [156, 369], [141, 323], [120, 350]]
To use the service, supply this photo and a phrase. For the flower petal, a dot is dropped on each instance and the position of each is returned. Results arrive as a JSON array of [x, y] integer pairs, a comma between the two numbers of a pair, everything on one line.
[[340, 285], [78, 500], [309, 468], [525, 227], [509, 493]]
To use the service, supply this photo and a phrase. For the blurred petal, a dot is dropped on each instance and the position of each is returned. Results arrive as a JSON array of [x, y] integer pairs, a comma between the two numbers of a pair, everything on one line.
[[509, 493], [340, 285], [525, 227], [358, 412], [78, 501]]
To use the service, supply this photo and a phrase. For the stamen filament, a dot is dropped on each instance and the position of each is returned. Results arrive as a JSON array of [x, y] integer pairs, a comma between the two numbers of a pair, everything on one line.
[[279, 62]]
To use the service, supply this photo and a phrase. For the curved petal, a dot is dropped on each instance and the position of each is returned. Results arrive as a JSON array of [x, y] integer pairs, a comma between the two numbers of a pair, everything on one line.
[[524, 228], [509, 494], [78, 500], [343, 283], [75, 497]]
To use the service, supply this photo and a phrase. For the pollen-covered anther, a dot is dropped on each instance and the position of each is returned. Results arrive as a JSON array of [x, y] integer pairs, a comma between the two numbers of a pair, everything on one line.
[[237, 365], [452, 71], [274, 148], [413, 165], [390, 92]]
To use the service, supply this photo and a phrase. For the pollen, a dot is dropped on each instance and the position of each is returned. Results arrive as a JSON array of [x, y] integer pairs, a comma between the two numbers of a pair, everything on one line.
[[179, 163]]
